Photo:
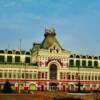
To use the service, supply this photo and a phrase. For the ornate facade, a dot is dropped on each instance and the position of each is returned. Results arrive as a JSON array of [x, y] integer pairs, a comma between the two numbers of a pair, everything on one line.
[[47, 66]]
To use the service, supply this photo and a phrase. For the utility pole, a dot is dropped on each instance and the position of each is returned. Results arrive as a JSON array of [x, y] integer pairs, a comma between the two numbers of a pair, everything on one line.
[[20, 40]]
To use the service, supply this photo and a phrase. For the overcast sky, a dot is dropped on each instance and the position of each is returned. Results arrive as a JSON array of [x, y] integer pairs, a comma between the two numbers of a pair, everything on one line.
[[77, 23]]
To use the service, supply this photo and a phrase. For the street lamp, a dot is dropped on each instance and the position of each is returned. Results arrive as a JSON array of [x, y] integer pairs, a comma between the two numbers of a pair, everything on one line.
[[79, 83]]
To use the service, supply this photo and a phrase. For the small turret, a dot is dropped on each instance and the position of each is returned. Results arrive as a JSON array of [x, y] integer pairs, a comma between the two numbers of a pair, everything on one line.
[[50, 32]]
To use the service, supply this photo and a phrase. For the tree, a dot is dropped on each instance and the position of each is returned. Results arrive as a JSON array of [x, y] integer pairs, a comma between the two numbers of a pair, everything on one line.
[[7, 87]]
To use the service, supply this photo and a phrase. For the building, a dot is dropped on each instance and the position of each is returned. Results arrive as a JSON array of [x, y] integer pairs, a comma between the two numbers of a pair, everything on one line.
[[49, 67]]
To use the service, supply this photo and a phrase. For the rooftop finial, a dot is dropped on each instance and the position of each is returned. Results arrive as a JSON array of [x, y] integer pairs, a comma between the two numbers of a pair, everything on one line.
[[53, 31], [47, 32]]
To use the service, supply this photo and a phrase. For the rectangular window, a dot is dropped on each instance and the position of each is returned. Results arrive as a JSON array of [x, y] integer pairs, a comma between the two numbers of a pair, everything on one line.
[[71, 62], [27, 59], [81, 77], [64, 75], [98, 77], [45, 75], [42, 74], [68, 76], [95, 77], [34, 76], [85, 77], [9, 59], [92, 77], [30, 75], [72, 77], [26, 75], [17, 59], [39, 75], [23, 76], [2, 59], [5, 74], [14, 75], [88, 77], [77, 63], [83, 63], [10, 75], [0, 74]]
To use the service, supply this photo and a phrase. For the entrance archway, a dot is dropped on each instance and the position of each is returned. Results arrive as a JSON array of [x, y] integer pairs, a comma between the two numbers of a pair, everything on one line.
[[32, 87], [53, 71], [53, 86]]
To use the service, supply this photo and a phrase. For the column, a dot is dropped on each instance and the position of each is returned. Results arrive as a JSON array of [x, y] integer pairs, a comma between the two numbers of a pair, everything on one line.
[[59, 86]]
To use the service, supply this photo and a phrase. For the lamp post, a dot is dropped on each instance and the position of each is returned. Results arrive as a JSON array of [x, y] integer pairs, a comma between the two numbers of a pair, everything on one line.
[[19, 76], [79, 84], [26, 76]]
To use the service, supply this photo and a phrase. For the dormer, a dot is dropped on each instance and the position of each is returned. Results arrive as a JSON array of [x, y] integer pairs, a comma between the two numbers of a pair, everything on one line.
[[54, 48]]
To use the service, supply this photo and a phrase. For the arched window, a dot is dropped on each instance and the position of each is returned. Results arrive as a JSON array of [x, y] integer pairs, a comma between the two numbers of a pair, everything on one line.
[[71, 56], [17, 52], [57, 50], [89, 63], [77, 56], [53, 71], [27, 53], [83, 63], [71, 63], [1, 51], [95, 57], [77, 63], [9, 52], [84, 57], [95, 63], [89, 57], [32, 87]]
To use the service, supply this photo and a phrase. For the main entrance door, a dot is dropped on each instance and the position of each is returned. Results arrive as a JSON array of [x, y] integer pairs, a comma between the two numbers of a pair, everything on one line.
[[53, 86], [53, 72]]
